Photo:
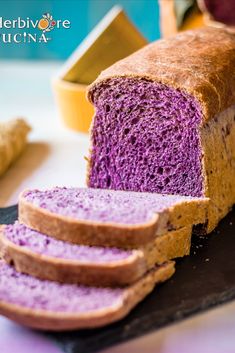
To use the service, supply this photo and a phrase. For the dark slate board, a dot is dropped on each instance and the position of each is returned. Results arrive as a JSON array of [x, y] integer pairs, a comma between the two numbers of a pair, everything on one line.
[[204, 279]]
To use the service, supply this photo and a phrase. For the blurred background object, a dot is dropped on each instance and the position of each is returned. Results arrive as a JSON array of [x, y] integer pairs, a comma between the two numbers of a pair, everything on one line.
[[179, 15], [114, 38], [218, 12], [13, 139], [168, 18]]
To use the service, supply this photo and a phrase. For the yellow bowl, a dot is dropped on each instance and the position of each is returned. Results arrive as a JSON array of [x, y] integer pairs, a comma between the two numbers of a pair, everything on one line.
[[75, 109], [114, 38]]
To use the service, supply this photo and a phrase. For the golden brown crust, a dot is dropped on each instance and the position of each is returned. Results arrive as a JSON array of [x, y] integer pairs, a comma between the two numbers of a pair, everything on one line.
[[218, 145], [120, 273], [200, 62], [169, 246], [188, 213], [56, 321], [101, 234]]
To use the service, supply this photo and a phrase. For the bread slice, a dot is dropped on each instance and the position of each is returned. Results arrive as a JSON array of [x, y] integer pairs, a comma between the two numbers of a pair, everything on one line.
[[108, 218], [13, 140], [38, 255], [165, 122], [52, 306]]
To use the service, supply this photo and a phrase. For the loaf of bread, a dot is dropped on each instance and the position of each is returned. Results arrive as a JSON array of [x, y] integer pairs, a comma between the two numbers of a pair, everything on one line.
[[108, 218], [162, 159], [165, 120], [52, 306], [44, 257]]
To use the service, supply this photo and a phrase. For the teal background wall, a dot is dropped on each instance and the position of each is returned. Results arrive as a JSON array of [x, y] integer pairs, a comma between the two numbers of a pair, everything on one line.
[[83, 14]]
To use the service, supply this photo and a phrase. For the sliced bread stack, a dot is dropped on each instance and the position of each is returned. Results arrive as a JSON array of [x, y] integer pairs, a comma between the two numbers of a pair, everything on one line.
[[81, 257]]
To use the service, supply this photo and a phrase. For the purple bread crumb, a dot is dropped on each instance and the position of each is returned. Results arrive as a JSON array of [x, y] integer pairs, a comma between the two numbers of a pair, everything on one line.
[[30, 292], [39, 243], [101, 205], [145, 138]]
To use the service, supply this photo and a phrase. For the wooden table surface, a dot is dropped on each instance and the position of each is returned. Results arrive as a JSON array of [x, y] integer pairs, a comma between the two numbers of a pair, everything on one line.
[[55, 156]]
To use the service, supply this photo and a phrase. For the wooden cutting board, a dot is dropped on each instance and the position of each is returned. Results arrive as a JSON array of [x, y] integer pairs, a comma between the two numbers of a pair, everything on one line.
[[203, 280]]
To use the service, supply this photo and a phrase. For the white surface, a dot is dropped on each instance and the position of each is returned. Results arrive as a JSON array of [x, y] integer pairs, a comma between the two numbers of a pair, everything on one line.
[[211, 332], [55, 157]]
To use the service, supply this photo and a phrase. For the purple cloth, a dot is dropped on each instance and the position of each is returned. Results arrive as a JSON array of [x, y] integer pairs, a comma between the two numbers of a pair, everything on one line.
[[17, 339]]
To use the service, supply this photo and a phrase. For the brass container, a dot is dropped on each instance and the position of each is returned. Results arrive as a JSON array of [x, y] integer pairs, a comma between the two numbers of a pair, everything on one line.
[[114, 38]]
